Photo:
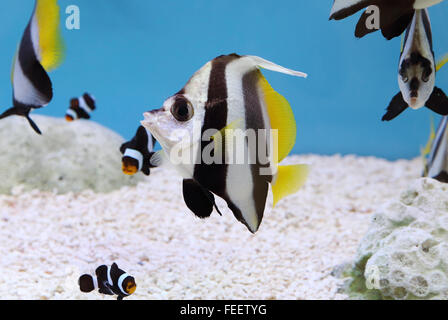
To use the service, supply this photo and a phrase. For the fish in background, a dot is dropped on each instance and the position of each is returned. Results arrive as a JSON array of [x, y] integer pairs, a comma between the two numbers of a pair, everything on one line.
[[227, 94], [436, 151], [40, 51], [395, 15], [109, 280], [417, 71], [80, 108], [137, 152]]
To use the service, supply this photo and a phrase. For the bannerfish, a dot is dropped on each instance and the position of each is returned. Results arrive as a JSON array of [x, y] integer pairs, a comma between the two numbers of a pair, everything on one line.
[[80, 108], [417, 71], [227, 96], [40, 51], [394, 15], [109, 280], [137, 152], [436, 166]]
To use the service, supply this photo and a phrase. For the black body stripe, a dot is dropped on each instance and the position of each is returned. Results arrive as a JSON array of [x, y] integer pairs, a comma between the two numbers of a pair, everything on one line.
[[427, 26], [32, 68], [255, 121], [213, 176], [89, 101]]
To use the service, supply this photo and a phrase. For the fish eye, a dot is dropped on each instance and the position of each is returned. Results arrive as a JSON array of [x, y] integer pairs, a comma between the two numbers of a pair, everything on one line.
[[182, 110], [425, 77], [405, 78]]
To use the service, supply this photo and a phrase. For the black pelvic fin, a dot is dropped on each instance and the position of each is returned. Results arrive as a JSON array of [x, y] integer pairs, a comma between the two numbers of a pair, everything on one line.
[[396, 28], [33, 124], [438, 102], [86, 283], [395, 108], [199, 200], [392, 21]]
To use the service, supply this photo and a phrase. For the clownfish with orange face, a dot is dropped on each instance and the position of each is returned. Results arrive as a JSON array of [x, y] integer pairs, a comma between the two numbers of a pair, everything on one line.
[[138, 152], [80, 108], [109, 280]]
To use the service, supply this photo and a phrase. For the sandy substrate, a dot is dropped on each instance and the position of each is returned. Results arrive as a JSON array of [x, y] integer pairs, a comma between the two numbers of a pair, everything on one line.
[[48, 240]]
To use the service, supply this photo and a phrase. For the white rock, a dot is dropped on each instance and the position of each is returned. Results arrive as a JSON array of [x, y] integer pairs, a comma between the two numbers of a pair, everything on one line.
[[68, 156], [404, 255]]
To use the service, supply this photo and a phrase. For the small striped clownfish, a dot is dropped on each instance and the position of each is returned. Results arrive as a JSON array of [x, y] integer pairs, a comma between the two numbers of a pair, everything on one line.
[[41, 50], [80, 108], [228, 96], [109, 280], [137, 153]]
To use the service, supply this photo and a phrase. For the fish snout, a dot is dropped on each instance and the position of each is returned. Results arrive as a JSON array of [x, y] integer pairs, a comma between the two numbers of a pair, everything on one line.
[[151, 118]]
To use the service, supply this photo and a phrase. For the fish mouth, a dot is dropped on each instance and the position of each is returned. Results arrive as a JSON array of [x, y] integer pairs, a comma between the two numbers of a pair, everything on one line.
[[414, 103]]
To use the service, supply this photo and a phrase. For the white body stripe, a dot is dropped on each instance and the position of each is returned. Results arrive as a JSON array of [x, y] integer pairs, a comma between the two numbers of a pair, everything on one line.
[[24, 91], [120, 282], [135, 155], [239, 181], [83, 105], [35, 36], [109, 279], [72, 113], [150, 146], [95, 282]]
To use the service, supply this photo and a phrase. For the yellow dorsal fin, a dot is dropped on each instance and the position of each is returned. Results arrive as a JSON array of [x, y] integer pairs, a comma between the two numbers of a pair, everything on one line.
[[289, 180], [281, 118], [442, 62], [51, 45]]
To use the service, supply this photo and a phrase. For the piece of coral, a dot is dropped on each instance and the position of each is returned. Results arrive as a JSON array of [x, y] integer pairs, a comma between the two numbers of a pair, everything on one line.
[[404, 255], [68, 157]]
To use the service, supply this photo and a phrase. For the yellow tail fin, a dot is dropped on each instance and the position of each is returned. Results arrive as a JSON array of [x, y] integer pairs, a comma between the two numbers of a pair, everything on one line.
[[289, 180], [50, 40]]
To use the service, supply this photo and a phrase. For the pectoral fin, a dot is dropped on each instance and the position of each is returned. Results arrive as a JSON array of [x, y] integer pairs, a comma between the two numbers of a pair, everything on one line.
[[33, 124], [395, 108], [438, 102], [199, 200]]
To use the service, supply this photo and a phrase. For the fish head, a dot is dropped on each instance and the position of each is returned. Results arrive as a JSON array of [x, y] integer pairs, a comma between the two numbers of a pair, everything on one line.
[[416, 79], [129, 285], [129, 166], [174, 123]]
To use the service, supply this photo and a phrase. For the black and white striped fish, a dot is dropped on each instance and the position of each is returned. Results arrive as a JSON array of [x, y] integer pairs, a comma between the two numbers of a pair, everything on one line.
[[417, 71], [228, 95], [80, 108], [395, 15], [436, 166], [137, 152], [40, 51], [109, 280]]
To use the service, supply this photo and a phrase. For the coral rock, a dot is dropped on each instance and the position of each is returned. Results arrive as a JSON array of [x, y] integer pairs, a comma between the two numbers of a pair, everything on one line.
[[404, 255], [68, 157]]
